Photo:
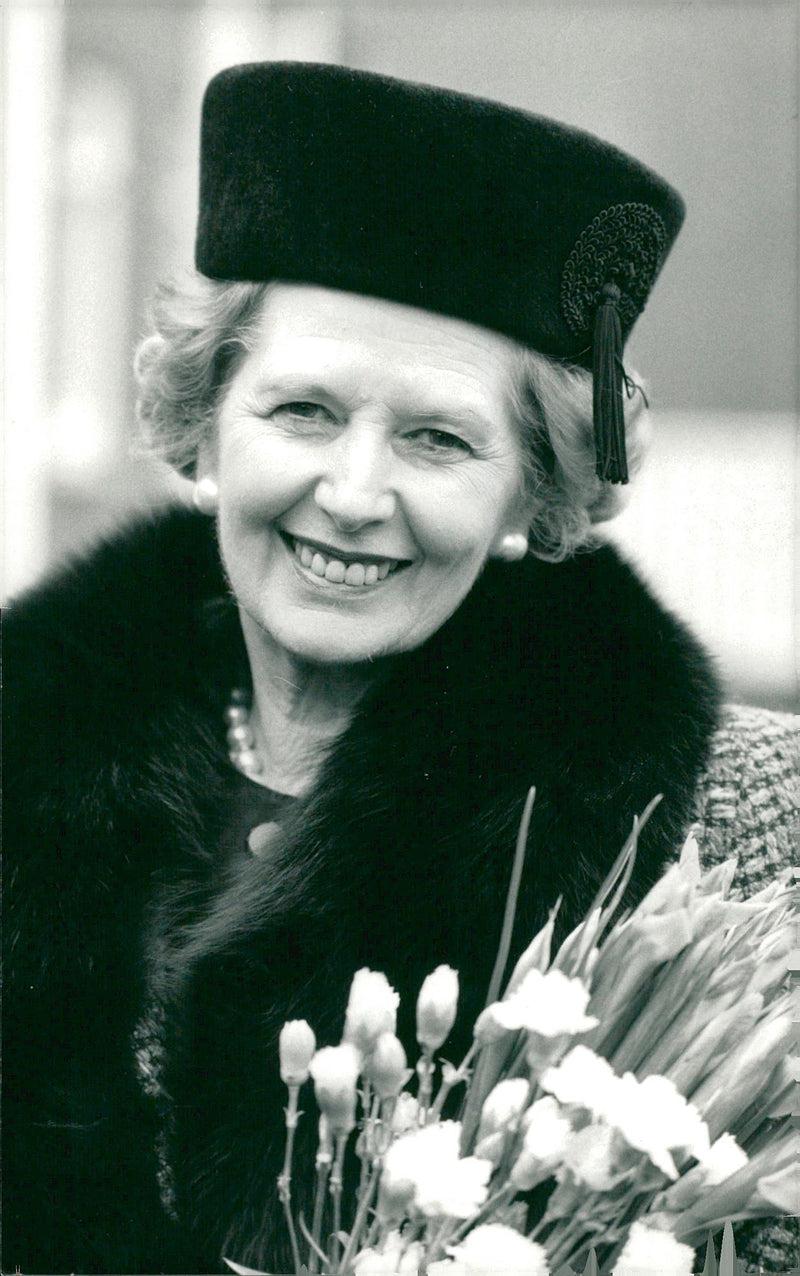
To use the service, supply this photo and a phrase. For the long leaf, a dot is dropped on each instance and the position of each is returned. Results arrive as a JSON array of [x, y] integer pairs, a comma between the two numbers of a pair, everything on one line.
[[511, 900], [710, 1265], [727, 1254]]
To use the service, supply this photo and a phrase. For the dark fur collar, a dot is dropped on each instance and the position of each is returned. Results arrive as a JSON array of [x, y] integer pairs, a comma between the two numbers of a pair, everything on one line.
[[569, 677]]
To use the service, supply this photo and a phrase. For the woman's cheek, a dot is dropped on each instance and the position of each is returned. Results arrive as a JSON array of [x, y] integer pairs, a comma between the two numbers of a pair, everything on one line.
[[455, 521], [263, 482]]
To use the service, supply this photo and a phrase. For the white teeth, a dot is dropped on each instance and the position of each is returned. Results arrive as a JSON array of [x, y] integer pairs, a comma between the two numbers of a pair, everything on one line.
[[337, 572]]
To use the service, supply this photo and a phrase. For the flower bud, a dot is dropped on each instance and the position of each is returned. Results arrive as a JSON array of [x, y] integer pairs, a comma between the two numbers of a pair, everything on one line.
[[371, 1009], [335, 1071], [547, 1132], [503, 1105], [296, 1046], [387, 1069], [436, 1007], [395, 1196], [491, 1147]]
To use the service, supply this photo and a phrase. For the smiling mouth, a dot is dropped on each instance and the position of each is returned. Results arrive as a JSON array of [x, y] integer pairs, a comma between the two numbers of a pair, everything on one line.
[[340, 567]]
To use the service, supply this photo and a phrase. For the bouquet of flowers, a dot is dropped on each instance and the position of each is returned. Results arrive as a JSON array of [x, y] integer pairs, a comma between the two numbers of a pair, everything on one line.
[[638, 1078]]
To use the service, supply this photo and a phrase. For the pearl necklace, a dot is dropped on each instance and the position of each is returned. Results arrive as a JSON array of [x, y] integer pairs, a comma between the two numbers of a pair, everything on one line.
[[242, 749]]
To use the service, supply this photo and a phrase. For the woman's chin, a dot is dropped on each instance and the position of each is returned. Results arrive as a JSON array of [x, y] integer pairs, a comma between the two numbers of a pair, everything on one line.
[[326, 640]]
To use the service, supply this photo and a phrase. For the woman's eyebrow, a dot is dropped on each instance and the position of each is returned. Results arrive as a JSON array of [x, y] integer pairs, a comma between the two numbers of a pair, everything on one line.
[[293, 385]]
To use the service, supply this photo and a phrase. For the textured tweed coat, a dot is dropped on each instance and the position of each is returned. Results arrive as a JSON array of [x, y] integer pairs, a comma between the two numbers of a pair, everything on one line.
[[130, 936]]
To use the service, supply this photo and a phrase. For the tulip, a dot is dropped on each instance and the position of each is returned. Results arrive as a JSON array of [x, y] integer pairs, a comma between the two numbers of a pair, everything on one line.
[[371, 1009], [781, 1189], [335, 1071], [735, 1194], [536, 956], [296, 1046], [742, 1075], [723, 1159], [436, 1008]]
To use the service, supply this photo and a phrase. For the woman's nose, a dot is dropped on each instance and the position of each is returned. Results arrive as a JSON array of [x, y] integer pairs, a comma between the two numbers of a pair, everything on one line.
[[355, 491]]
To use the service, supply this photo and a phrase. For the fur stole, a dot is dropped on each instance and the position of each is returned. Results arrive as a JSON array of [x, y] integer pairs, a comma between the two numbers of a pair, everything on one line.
[[569, 677]]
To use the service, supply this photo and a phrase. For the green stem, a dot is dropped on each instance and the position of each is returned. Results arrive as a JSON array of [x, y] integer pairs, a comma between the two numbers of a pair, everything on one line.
[[323, 1169], [359, 1220], [336, 1196], [313, 1246], [285, 1176], [461, 1074], [425, 1070], [501, 1197], [435, 1247]]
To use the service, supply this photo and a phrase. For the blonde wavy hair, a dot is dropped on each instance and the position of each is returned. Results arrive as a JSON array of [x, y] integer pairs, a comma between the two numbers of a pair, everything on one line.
[[202, 328]]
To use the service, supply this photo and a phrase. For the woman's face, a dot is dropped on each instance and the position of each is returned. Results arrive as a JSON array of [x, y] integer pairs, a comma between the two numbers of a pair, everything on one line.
[[367, 466]]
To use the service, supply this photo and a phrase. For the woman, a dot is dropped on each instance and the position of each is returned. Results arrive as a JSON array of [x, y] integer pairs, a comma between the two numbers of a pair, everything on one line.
[[380, 379]]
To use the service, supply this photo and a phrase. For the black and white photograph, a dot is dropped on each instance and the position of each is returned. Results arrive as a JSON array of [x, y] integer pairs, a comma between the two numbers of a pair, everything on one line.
[[401, 766]]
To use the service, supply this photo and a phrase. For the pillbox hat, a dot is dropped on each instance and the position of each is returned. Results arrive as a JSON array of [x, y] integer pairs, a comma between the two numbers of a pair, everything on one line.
[[321, 174]]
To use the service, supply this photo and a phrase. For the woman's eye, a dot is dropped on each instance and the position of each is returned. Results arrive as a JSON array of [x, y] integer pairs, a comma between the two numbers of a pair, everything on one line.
[[303, 410], [441, 441]]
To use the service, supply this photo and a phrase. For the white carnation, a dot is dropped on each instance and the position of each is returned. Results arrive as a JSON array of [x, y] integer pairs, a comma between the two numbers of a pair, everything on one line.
[[391, 1259], [427, 1164], [494, 1248], [723, 1158], [647, 1251], [654, 1117], [551, 1004], [582, 1077], [371, 1009]]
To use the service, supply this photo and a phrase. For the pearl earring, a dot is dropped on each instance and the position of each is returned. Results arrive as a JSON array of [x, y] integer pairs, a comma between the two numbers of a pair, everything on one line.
[[513, 547], [206, 495]]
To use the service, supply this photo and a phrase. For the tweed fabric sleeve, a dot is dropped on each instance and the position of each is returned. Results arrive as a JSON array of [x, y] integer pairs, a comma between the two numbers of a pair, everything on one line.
[[748, 800], [748, 805]]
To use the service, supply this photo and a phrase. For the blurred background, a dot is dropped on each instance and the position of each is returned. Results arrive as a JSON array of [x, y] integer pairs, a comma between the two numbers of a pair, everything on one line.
[[101, 110]]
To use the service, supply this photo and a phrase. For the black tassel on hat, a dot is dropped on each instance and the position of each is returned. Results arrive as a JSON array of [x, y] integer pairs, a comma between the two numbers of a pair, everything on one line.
[[605, 284], [611, 462]]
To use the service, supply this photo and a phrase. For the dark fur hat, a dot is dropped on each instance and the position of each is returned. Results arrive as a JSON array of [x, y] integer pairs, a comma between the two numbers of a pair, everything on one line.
[[356, 181]]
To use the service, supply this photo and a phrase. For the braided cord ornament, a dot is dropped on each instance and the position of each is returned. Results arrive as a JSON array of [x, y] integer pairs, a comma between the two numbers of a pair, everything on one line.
[[604, 286]]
